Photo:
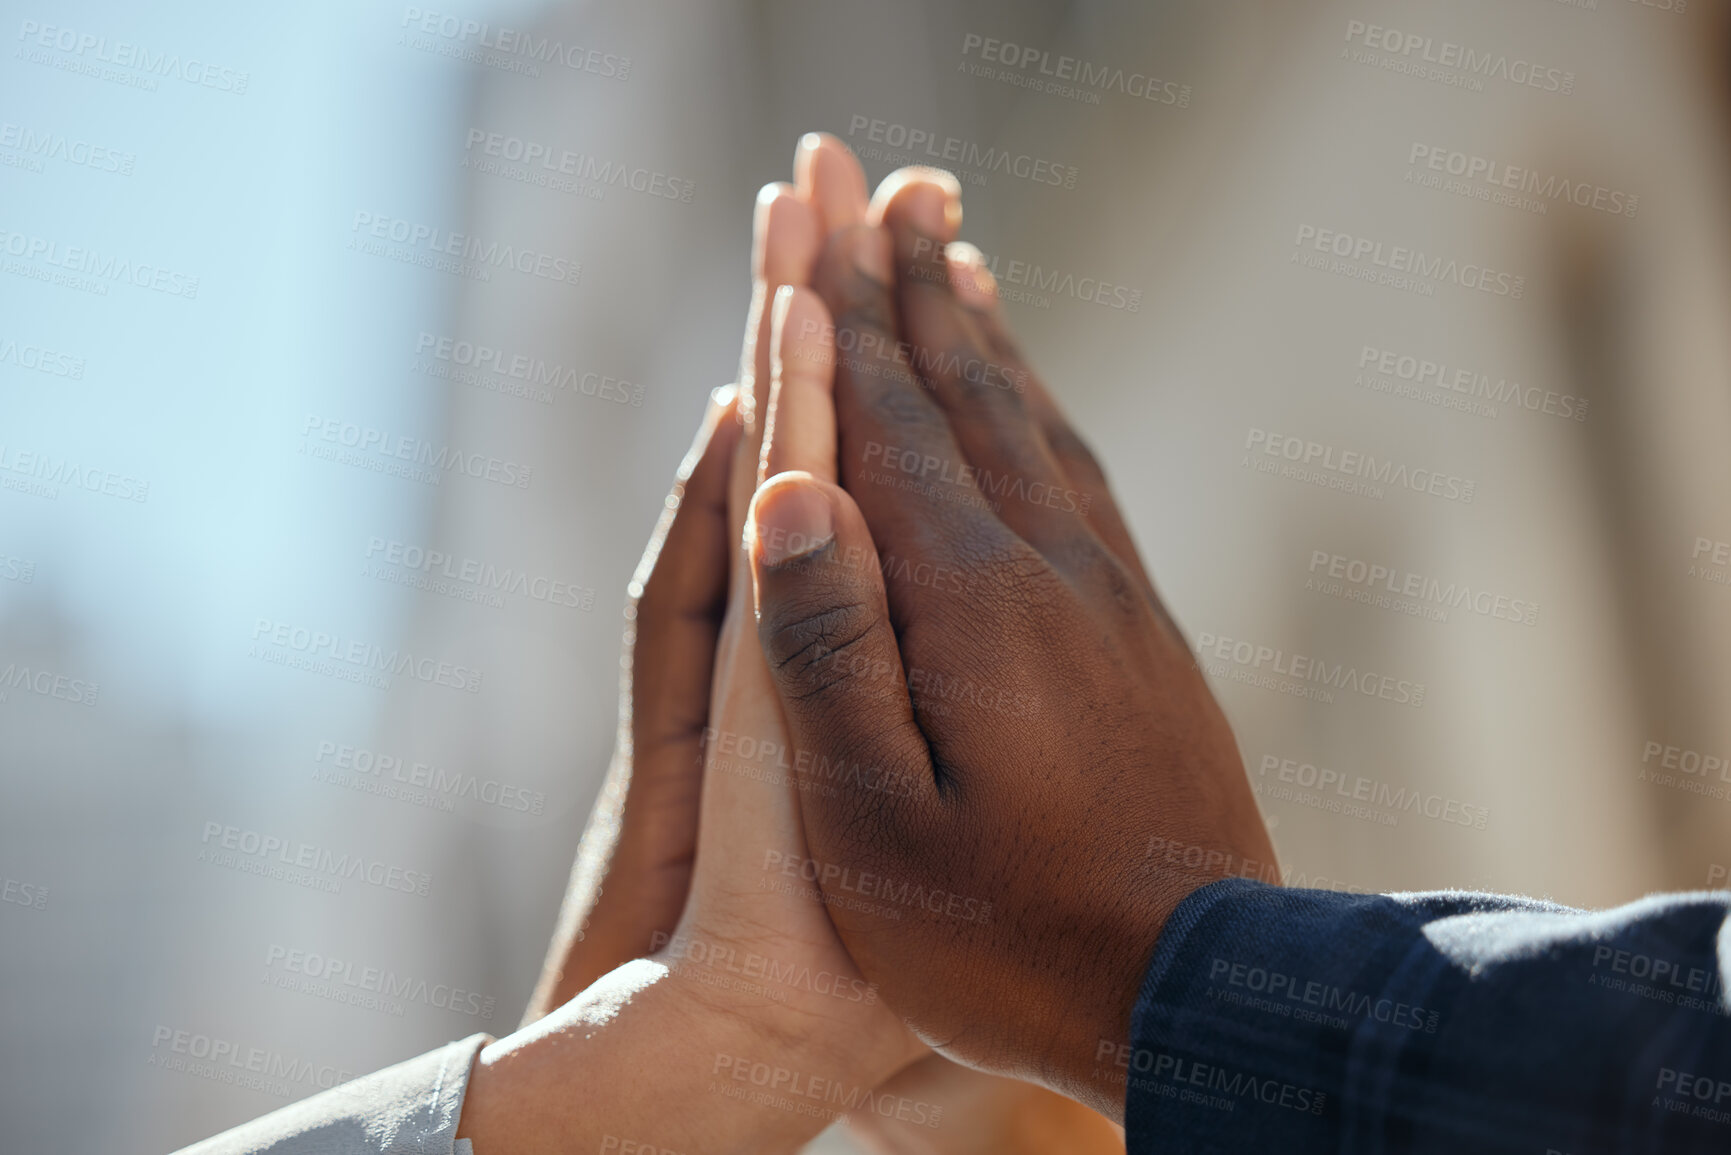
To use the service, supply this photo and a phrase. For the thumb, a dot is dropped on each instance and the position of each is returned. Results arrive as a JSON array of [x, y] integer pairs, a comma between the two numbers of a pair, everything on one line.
[[823, 622]]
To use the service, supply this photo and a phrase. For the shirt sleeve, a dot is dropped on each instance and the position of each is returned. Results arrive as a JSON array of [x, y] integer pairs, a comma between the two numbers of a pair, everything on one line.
[[1301, 1021], [409, 1109]]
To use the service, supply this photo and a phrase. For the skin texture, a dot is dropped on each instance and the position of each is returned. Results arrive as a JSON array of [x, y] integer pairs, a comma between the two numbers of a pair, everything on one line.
[[634, 865], [647, 1054], [668, 1050], [977, 624]]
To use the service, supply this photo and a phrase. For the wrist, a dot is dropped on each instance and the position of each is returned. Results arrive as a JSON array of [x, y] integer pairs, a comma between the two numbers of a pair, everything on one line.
[[959, 1111], [1090, 1037], [608, 1064], [611, 1065], [770, 1013]]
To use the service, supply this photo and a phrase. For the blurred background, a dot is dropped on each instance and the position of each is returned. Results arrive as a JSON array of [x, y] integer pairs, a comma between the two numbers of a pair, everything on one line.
[[241, 615]]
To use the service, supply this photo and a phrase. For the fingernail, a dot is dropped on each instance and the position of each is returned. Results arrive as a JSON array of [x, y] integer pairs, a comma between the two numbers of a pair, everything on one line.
[[933, 203], [778, 330], [871, 253], [802, 158], [969, 276], [791, 519], [952, 201], [766, 198], [924, 208]]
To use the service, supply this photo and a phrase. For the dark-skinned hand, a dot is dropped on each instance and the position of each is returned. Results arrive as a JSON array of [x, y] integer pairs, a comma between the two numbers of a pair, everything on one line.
[[976, 621]]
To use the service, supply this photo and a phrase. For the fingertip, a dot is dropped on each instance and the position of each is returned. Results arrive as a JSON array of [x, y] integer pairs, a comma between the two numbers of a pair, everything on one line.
[[760, 215], [722, 399], [929, 200], [805, 161], [830, 175], [784, 236], [802, 330], [792, 517], [972, 280], [715, 437], [803, 152], [700, 484]]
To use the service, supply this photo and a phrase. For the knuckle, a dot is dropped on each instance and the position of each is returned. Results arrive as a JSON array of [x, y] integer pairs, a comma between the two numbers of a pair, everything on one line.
[[1068, 446], [953, 359], [653, 604], [814, 646], [1083, 555], [876, 817], [1015, 569], [914, 418], [862, 306]]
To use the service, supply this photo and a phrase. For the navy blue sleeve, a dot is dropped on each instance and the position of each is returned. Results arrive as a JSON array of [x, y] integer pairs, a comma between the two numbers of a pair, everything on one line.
[[1298, 1021]]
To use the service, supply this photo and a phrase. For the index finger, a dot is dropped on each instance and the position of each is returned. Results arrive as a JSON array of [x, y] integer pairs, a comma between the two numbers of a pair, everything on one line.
[[897, 456]]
